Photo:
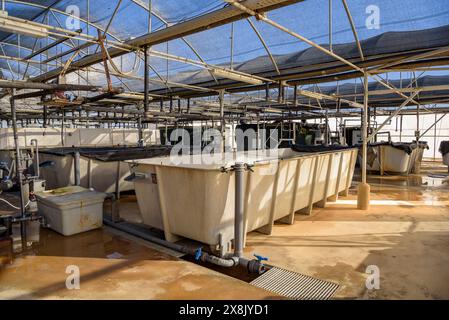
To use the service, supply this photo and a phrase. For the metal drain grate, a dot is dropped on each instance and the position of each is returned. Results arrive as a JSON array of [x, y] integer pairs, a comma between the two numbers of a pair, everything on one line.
[[294, 285]]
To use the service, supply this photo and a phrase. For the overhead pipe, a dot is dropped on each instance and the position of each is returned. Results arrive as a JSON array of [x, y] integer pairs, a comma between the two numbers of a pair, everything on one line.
[[16, 84]]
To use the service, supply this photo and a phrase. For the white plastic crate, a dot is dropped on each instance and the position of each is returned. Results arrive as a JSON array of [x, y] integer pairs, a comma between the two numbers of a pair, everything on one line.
[[71, 210]]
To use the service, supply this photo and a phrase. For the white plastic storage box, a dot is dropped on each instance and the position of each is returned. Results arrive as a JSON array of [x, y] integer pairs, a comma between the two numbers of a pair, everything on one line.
[[71, 210]]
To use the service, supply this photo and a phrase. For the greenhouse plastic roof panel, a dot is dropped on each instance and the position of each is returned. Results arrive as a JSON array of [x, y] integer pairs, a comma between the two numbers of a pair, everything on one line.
[[312, 59], [435, 89], [235, 44]]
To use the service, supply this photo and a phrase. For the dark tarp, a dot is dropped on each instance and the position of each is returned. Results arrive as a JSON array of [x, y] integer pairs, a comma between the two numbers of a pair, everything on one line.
[[444, 147], [407, 147], [317, 148], [113, 153]]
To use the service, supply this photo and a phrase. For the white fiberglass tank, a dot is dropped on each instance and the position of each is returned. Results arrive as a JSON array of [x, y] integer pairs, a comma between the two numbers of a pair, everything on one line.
[[393, 157], [189, 198]]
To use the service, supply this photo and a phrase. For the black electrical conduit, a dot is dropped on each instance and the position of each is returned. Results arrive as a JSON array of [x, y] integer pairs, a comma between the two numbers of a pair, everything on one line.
[[253, 266]]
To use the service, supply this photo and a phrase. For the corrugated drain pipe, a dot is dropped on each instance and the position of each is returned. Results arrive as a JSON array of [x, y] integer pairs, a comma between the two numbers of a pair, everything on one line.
[[253, 265]]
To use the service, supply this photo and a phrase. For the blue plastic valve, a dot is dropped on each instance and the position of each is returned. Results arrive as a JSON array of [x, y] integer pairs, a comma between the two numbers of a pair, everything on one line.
[[260, 258], [198, 253]]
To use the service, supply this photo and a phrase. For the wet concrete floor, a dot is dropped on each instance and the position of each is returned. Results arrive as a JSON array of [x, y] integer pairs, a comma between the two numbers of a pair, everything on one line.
[[404, 235], [113, 266]]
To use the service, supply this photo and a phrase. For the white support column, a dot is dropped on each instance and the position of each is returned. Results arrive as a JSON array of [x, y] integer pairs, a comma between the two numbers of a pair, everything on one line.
[[363, 189]]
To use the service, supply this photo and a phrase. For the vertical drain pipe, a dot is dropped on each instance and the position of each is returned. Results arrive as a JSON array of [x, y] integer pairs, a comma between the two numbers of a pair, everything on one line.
[[76, 168], [19, 171], [239, 169], [139, 128], [35, 153]]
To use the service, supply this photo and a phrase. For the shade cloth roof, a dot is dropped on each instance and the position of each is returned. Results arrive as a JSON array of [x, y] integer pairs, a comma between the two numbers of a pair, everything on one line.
[[309, 18]]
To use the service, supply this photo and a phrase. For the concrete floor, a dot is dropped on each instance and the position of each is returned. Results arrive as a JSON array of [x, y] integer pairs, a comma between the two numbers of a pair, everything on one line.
[[114, 266], [405, 234]]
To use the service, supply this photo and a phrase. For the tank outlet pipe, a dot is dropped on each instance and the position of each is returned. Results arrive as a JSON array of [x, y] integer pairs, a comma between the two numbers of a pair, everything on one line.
[[35, 154], [19, 169], [253, 266], [239, 170], [115, 210], [76, 168]]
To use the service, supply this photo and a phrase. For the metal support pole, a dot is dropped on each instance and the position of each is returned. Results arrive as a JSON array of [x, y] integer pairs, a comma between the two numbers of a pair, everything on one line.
[[62, 128], [76, 168], [146, 100], [295, 96], [223, 124], [326, 131], [258, 134], [363, 191], [139, 128], [364, 127], [330, 26], [45, 114], [232, 47], [239, 169], [432, 126], [417, 132], [19, 171], [267, 92], [117, 181], [280, 92]]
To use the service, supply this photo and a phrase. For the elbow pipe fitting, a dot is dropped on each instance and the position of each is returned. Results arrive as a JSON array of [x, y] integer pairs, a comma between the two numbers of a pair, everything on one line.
[[253, 266], [231, 262]]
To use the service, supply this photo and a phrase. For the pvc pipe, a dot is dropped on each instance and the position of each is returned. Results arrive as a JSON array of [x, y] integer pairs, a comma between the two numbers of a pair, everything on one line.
[[36, 157], [251, 265], [364, 127], [239, 169], [18, 170], [139, 128], [76, 168], [117, 181]]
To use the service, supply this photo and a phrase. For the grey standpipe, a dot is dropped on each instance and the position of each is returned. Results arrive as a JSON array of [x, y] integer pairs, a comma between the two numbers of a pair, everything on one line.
[[19, 171], [76, 168], [239, 169]]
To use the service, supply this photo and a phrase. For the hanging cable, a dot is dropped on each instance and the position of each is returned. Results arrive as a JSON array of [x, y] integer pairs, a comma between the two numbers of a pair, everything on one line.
[[134, 69], [13, 206]]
